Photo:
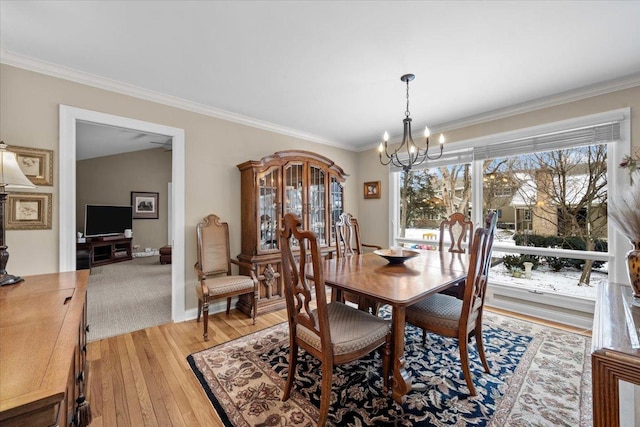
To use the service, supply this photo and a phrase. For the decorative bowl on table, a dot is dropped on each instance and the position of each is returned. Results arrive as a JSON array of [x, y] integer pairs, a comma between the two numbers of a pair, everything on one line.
[[396, 256]]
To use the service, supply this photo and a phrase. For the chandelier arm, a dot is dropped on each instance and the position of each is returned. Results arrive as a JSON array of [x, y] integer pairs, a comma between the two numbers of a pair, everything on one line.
[[386, 153], [436, 157], [382, 161], [421, 161]]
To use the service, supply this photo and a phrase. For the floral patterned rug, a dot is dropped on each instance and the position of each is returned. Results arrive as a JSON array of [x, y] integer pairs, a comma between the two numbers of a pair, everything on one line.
[[540, 376]]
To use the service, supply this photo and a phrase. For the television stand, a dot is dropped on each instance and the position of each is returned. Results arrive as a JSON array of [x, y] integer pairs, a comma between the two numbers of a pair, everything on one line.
[[108, 238], [107, 249]]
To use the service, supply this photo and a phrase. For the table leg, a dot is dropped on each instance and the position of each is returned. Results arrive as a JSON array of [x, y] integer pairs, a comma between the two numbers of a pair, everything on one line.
[[401, 378]]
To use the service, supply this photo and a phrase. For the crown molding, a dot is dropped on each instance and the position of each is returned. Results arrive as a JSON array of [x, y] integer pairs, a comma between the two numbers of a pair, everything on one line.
[[55, 70], [89, 79], [585, 92]]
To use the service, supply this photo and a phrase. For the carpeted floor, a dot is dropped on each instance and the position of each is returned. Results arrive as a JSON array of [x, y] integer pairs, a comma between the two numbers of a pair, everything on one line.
[[540, 377], [128, 296]]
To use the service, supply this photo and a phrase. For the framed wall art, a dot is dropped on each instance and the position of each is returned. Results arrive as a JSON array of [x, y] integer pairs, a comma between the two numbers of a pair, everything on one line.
[[35, 163], [145, 205], [372, 190], [28, 211]]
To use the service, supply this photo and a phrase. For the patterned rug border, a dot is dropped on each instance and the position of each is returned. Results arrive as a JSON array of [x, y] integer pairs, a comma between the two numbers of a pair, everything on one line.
[[217, 406], [504, 406]]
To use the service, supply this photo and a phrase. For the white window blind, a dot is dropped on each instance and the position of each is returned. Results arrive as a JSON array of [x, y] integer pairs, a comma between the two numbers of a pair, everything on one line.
[[601, 133], [589, 135]]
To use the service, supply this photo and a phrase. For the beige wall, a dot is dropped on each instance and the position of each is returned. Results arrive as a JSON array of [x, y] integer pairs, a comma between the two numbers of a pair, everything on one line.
[[374, 222], [109, 181], [29, 117]]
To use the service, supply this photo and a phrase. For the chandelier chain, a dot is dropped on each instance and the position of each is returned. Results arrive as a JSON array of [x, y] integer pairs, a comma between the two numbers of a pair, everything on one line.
[[407, 113]]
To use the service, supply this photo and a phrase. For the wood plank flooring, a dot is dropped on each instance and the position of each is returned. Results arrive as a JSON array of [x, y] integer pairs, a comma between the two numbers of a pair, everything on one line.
[[143, 379]]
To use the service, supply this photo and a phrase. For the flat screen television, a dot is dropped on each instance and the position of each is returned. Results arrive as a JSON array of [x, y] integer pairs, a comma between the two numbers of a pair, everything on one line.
[[102, 220]]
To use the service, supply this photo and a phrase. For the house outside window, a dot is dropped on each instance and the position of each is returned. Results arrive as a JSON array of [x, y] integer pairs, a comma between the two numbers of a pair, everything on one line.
[[551, 191]]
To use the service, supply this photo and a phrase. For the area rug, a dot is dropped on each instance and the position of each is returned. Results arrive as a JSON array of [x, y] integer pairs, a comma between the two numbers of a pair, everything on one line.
[[540, 376]]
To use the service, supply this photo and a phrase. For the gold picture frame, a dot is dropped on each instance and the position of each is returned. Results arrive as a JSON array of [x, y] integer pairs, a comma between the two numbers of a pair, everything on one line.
[[28, 211], [372, 190], [35, 163]]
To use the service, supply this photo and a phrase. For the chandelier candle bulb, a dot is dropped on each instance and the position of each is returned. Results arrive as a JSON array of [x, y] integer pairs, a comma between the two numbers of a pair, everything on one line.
[[441, 140]]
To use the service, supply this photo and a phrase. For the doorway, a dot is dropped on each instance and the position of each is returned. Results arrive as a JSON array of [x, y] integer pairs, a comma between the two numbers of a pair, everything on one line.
[[69, 117]]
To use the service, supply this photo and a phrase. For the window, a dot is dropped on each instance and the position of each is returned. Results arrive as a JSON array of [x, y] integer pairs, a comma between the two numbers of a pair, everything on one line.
[[427, 196], [549, 184]]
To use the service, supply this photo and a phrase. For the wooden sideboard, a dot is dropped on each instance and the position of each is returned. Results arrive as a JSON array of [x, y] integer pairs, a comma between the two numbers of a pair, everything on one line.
[[43, 350], [615, 352]]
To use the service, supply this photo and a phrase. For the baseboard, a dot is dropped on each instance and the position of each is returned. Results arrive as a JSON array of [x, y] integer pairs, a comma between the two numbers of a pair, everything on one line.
[[219, 306], [571, 311]]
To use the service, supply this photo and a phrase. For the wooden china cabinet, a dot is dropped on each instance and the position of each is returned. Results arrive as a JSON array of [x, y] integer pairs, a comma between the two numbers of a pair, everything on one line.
[[304, 183]]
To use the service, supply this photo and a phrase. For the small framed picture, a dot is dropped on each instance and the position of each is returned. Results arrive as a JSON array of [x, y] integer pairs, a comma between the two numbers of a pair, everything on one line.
[[145, 205], [35, 163], [372, 190], [28, 211]]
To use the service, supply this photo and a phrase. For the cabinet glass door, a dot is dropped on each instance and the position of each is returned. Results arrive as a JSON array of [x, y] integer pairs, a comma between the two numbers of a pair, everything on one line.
[[317, 204], [293, 192], [268, 209], [336, 193]]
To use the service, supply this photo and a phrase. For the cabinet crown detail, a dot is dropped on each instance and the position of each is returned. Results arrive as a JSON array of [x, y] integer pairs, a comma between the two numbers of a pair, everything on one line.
[[281, 157]]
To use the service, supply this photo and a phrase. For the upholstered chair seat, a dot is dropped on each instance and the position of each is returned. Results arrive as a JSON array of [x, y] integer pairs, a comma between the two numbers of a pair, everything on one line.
[[228, 284], [351, 330], [441, 311]]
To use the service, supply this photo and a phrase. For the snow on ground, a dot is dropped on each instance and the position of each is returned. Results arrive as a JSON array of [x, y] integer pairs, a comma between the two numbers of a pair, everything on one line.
[[542, 279]]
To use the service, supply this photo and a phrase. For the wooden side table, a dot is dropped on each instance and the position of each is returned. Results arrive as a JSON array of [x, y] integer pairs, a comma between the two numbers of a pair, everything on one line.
[[615, 352]]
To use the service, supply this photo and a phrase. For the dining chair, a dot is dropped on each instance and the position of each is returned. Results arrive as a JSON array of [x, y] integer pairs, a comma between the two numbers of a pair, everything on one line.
[[458, 229], [333, 332], [348, 243], [462, 319], [213, 269]]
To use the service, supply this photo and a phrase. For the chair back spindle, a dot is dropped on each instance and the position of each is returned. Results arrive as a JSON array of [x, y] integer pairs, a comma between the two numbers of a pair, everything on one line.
[[297, 287], [458, 229]]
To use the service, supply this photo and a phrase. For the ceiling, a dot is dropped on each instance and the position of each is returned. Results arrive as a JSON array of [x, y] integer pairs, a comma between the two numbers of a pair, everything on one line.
[[329, 71], [95, 140]]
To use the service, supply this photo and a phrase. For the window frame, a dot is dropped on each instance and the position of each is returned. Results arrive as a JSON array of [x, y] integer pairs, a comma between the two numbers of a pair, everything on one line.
[[617, 177]]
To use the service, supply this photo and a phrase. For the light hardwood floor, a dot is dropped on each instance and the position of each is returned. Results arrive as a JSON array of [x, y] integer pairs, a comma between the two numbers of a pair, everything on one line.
[[143, 379]]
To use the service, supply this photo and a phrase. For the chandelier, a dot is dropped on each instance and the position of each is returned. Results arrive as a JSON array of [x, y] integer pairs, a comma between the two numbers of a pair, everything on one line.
[[414, 155]]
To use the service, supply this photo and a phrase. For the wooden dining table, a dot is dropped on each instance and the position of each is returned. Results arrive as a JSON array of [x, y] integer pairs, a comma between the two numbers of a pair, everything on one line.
[[399, 286]]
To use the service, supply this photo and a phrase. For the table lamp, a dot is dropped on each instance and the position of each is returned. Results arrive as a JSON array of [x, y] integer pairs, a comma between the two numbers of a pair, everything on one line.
[[10, 177]]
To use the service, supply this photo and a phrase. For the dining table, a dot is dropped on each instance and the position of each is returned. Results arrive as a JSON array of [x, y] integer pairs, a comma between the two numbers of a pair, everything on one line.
[[399, 285]]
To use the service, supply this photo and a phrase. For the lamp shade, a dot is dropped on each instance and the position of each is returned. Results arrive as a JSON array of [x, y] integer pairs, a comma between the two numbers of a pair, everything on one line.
[[10, 174]]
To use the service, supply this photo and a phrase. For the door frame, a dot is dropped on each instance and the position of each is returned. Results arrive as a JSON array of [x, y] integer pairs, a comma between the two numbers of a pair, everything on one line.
[[69, 116]]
